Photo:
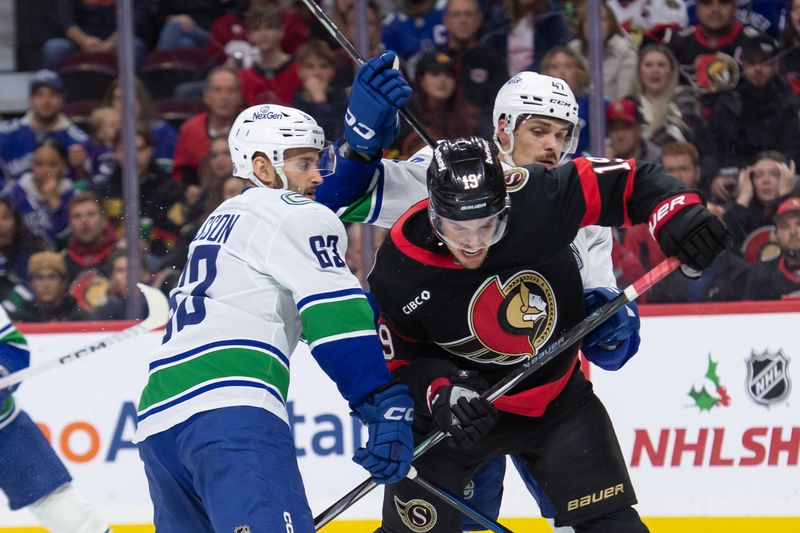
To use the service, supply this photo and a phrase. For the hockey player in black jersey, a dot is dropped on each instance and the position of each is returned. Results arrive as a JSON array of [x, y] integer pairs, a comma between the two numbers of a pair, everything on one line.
[[493, 280]]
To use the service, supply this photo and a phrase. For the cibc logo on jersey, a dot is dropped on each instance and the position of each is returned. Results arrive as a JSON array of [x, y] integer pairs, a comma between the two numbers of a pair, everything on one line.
[[420, 299], [508, 321]]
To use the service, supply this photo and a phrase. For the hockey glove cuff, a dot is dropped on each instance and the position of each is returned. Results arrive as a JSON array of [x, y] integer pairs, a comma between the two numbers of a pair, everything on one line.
[[616, 340], [684, 228], [390, 448], [457, 408]]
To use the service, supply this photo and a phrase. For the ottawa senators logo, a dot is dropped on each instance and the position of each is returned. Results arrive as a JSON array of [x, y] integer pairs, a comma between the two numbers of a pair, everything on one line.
[[418, 515], [508, 321], [516, 178]]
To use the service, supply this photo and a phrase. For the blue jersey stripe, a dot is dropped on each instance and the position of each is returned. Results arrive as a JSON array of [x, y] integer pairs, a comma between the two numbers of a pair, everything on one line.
[[8, 326], [327, 296], [206, 388], [221, 344]]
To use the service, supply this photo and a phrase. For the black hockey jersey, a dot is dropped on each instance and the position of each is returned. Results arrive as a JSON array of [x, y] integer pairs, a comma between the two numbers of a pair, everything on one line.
[[438, 317], [689, 43]]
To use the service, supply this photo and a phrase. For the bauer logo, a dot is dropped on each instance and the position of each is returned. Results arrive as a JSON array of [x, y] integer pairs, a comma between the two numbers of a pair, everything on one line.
[[418, 515], [595, 497], [768, 380], [242, 529]]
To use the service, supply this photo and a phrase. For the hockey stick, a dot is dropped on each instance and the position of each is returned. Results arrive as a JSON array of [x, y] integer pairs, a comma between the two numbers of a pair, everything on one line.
[[356, 56], [570, 337], [458, 504], [157, 314]]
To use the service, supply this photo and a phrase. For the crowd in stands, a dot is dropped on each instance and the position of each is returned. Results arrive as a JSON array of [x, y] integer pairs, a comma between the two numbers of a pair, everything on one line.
[[707, 89]]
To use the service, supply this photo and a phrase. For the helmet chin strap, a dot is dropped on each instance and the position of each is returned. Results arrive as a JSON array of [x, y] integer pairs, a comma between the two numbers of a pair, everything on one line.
[[506, 153], [283, 181]]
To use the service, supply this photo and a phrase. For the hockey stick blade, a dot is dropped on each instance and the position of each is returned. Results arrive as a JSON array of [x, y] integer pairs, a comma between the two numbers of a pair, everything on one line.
[[571, 336], [157, 314], [356, 56]]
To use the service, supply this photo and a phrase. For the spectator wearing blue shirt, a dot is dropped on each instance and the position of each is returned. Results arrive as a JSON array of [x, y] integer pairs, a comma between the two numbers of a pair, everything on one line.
[[418, 26], [19, 137], [41, 195]]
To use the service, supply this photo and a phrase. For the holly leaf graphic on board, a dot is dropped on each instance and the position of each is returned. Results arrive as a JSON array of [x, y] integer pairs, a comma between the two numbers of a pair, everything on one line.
[[703, 399], [711, 372]]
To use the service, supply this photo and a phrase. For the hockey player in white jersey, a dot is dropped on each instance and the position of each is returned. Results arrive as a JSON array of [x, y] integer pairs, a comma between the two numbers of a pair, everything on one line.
[[31, 474], [264, 268], [535, 121]]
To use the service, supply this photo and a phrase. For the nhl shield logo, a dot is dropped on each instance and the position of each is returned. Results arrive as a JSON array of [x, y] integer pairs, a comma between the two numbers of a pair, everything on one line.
[[768, 380]]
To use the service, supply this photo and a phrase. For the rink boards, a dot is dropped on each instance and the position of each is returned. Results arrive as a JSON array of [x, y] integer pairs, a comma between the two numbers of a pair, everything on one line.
[[706, 415]]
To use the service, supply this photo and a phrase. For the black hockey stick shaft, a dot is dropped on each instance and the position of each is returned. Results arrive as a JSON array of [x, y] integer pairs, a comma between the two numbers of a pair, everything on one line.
[[356, 56], [458, 504], [571, 336]]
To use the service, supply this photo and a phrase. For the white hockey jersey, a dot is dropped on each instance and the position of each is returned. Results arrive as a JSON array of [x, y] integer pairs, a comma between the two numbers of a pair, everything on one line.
[[265, 267], [400, 184]]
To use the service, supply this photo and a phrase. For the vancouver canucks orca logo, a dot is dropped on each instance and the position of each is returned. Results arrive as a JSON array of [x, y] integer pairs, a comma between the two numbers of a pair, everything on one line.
[[509, 321], [418, 515]]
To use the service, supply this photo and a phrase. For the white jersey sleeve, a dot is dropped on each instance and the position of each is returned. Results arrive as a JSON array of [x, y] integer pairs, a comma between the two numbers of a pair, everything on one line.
[[397, 186], [592, 249]]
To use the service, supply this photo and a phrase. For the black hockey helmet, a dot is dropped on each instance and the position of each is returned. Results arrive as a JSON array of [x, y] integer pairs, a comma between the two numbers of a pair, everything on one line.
[[466, 182]]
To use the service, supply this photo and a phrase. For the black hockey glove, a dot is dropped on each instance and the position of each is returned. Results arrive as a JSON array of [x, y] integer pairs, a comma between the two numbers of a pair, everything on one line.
[[692, 233], [457, 408]]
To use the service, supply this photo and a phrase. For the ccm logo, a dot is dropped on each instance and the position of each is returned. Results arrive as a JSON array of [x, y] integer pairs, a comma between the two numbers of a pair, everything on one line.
[[663, 210], [595, 497], [399, 413], [409, 308]]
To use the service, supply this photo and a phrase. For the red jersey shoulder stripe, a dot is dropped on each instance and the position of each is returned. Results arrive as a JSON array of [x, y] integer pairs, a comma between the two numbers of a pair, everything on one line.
[[413, 251]]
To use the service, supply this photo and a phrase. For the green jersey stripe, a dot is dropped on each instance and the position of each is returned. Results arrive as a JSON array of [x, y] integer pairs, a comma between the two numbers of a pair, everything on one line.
[[327, 319], [359, 210], [334, 338], [173, 380], [15, 337]]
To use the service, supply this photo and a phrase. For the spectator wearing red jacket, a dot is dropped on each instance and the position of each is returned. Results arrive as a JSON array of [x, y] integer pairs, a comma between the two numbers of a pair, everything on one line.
[[91, 239], [273, 78], [223, 98]]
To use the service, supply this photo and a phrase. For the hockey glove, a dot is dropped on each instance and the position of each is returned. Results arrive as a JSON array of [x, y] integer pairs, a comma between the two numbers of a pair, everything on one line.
[[616, 340], [13, 358], [390, 448], [457, 408], [378, 91], [684, 228]]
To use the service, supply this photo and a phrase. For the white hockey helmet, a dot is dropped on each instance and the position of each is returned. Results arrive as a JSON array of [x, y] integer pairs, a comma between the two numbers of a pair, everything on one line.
[[271, 130], [531, 93]]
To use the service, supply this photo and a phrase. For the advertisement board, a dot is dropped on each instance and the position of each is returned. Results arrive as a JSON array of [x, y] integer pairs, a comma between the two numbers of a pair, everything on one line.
[[705, 415]]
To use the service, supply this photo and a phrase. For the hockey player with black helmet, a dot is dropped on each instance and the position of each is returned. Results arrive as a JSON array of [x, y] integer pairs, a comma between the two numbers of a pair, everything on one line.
[[501, 283]]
